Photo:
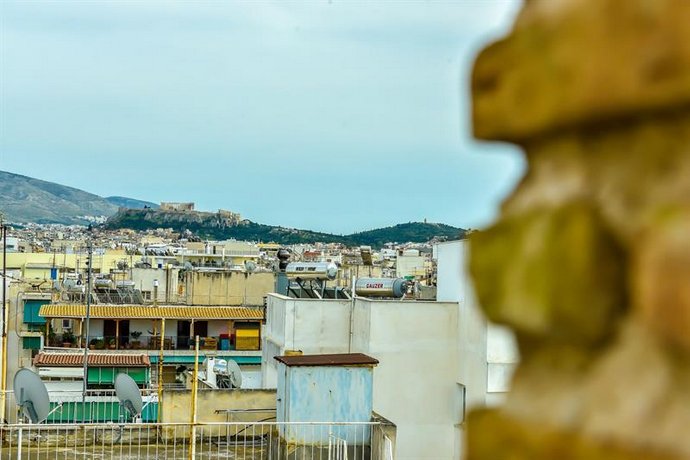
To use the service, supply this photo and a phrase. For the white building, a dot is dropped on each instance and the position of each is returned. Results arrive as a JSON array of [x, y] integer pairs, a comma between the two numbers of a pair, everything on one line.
[[415, 343], [410, 262], [488, 352], [436, 358]]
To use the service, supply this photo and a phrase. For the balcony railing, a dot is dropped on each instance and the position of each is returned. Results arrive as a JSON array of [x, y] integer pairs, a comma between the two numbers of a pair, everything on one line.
[[144, 342], [238, 440], [96, 406]]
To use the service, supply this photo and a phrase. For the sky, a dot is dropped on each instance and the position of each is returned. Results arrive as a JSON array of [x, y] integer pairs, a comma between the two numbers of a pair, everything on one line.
[[324, 115]]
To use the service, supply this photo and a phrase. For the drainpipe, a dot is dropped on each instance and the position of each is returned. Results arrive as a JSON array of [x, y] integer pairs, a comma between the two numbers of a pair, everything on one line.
[[352, 315], [3, 374], [195, 384], [160, 373], [88, 322], [160, 354]]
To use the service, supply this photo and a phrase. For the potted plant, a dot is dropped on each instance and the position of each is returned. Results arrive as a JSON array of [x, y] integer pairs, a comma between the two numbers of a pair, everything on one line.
[[111, 344], [67, 338], [93, 343], [136, 344]]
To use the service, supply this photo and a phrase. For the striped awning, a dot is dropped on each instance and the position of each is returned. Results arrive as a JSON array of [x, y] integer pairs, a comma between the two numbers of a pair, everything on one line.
[[151, 312]]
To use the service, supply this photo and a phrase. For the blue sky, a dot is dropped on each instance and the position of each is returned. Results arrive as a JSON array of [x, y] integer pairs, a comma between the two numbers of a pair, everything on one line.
[[332, 116]]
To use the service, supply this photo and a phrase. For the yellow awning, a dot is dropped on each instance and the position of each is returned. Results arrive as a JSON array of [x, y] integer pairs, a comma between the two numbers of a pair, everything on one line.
[[151, 312]]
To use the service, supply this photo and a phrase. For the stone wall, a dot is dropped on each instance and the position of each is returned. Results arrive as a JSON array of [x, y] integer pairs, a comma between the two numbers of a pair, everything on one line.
[[589, 261]]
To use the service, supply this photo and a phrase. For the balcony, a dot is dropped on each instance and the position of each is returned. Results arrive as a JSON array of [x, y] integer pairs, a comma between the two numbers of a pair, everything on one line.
[[151, 342]]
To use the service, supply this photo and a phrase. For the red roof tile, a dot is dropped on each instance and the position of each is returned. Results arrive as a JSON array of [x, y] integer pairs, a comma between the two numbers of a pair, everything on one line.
[[95, 360]]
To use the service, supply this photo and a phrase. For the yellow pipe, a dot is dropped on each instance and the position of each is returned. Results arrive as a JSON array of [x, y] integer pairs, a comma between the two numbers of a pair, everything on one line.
[[160, 373], [3, 376], [195, 380]]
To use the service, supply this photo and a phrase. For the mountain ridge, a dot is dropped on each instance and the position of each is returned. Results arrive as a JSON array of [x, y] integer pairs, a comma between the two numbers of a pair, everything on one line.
[[213, 225], [26, 199]]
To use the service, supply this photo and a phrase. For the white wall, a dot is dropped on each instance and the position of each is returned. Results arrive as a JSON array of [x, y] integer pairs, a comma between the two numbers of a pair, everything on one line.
[[313, 326], [95, 328], [216, 328], [488, 353], [143, 280], [145, 325], [502, 358], [409, 266], [453, 283], [414, 383]]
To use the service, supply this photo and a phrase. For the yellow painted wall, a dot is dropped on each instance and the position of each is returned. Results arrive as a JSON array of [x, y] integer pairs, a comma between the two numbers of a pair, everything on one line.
[[37, 264], [177, 406], [228, 287]]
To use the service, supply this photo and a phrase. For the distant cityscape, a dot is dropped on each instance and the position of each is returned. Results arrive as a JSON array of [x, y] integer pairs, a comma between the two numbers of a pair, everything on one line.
[[188, 316]]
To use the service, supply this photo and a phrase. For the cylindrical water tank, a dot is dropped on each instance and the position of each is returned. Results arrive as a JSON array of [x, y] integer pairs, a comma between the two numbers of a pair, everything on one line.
[[381, 287], [312, 270]]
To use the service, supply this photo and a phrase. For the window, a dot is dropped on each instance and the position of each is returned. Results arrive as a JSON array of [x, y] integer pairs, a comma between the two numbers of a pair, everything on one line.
[[146, 295], [67, 324]]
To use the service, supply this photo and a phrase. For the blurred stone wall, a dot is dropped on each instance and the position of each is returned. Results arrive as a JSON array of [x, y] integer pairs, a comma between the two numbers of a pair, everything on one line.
[[589, 261]]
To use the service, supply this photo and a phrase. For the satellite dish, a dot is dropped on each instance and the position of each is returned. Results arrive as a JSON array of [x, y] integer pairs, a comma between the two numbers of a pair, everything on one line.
[[188, 266], [249, 266], [128, 393], [234, 374], [31, 395], [220, 366]]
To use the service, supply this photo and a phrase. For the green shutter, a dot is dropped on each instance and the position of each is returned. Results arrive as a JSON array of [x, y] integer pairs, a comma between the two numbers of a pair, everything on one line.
[[106, 375], [31, 308], [31, 343]]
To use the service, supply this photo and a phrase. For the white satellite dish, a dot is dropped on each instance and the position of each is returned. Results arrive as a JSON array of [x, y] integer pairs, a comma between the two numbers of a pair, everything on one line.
[[249, 266], [31, 395], [234, 374], [128, 393], [220, 366]]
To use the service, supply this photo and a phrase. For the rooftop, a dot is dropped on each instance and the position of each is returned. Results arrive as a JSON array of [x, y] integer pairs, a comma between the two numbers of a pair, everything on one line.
[[341, 359], [95, 360]]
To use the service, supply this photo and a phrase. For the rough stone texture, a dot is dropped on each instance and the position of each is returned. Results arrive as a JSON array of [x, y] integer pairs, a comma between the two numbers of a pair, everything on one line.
[[532, 441], [562, 261], [590, 260], [661, 277], [583, 62]]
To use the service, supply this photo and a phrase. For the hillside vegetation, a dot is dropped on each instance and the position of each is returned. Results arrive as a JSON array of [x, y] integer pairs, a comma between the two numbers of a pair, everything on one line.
[[25, 199], [212, 225], [124, 202]]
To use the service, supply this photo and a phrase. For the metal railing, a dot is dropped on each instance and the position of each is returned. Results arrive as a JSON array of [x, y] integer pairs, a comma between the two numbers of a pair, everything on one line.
[[237, 440], [99, 406], [142, 342]]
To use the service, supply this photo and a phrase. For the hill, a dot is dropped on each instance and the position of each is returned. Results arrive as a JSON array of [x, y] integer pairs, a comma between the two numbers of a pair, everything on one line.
[[124, 202], [25, 199], [415, 232], [213, 225]]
